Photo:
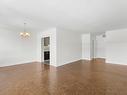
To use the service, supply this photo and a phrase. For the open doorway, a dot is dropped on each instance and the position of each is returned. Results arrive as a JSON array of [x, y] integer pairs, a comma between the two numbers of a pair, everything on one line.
[[45, 42]]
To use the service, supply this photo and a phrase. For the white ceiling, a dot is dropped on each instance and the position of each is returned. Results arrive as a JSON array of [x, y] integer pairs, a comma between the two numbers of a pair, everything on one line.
[[76, 15]]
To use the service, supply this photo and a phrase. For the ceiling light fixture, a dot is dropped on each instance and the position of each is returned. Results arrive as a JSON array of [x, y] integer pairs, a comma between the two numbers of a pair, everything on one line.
[[24, 34]]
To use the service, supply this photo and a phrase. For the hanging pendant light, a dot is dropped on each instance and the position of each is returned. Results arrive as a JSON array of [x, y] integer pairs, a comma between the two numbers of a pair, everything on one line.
[[24, 34]]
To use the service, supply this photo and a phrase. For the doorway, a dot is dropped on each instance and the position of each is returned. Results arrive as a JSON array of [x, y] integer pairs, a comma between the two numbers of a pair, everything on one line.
[[45, 43]]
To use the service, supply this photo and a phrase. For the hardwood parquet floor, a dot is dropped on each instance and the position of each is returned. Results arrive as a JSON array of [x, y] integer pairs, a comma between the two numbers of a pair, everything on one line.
[[78, 78]]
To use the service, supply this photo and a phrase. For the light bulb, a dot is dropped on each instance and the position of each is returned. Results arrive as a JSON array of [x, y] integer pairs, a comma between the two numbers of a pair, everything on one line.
[[21, 33], [27, 34]]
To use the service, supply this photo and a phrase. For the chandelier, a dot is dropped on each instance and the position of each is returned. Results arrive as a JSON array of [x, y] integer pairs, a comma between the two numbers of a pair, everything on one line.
[[24, 34]]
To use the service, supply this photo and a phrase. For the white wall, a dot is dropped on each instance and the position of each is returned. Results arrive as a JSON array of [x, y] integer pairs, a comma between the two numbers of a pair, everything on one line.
[[100, 46], [65, 47], [93, 45], [69, 46], [86, 46], [53, 49], [14, 50], [97, 45], [116, 42]]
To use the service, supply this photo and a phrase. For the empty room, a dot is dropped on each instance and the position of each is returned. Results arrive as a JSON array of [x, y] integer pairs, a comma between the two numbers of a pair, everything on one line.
[[63, 47]]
